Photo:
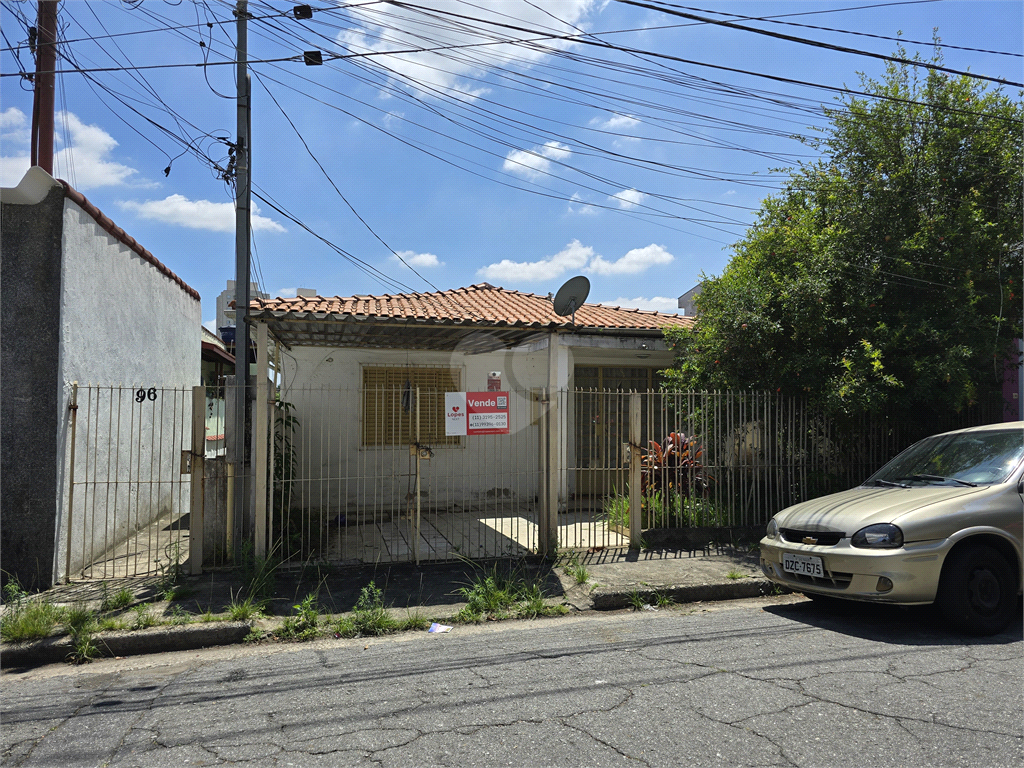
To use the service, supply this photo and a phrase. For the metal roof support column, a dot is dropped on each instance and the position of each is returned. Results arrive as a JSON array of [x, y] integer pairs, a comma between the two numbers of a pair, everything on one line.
[[554, 445]]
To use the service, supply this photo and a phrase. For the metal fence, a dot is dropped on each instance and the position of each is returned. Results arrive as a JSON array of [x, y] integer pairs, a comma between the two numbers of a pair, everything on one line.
[[368, 475], [721, 458], [127, 502]]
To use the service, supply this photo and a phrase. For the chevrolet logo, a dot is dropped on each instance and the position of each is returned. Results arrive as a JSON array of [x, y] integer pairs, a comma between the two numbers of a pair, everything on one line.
[[809, 540]]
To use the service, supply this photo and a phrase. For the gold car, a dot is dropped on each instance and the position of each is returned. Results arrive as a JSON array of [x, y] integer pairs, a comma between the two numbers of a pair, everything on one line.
[[942, 522]]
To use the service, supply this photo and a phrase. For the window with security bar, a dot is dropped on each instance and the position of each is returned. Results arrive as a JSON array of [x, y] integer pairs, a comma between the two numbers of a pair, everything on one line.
[[391, 407]]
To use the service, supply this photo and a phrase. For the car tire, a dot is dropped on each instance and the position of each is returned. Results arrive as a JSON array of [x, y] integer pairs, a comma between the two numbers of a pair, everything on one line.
[[977, 590]]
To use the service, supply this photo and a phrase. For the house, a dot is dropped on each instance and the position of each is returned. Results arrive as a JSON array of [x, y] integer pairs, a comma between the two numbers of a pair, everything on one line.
[[100, 337], [365, 380], [687, 302]]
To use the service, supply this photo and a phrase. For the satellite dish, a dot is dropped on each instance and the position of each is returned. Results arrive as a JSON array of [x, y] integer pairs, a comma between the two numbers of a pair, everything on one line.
[[571, 296]]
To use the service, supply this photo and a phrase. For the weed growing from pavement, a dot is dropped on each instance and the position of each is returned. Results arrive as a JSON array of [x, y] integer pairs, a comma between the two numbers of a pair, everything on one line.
[[369, 615], [504, 594], [636, 601], [244, 610], [144, 618], [663, 600], [259, 575], [119, 600], [85, 649], [734, 574], [27, 618], [575, 569], [305, 624]]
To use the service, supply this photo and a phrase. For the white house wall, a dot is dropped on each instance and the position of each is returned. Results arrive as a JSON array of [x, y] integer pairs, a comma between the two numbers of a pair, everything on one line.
[[123, 324], [325, 387]]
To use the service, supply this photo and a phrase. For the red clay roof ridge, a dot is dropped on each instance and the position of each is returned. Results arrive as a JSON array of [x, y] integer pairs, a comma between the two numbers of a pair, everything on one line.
[[107, 224]]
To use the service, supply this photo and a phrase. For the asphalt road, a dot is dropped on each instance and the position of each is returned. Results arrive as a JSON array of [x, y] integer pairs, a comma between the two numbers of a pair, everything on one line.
[[773, 681]]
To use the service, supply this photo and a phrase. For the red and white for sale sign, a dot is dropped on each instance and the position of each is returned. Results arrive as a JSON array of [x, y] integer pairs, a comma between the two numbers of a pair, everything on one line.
[[476, 413]]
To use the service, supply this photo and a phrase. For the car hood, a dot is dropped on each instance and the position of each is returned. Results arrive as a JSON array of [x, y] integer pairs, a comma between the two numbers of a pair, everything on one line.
[[851, 510]]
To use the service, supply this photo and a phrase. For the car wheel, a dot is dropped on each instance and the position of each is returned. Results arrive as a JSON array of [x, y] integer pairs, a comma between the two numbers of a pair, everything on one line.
[[978, 590]]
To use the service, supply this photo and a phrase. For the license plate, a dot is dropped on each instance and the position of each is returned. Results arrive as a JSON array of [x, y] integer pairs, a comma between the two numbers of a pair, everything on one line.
[[804, 565]]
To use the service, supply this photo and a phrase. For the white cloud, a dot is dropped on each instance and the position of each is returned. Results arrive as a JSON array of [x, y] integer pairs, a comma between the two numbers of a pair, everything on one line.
[[617, 123], [85, 159], [577, 257], [574, 256], [628, 198], [657, 303], [584, 208], [287, 293], [12, 169], [198, 214], [14, 129], [211, 326], [730, 192], [536, 162], [635, 261], [418, 259], [14, 126], [399, 28]]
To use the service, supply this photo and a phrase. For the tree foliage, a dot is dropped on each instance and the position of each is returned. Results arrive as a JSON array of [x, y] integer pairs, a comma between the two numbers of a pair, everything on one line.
[[887, 273]]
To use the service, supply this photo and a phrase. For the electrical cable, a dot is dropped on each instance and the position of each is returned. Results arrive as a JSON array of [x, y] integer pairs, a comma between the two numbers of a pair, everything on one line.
[[819, 43]]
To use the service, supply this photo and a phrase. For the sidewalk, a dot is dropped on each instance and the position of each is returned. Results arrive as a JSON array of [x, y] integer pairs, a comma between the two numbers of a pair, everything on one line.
[[615, 579]]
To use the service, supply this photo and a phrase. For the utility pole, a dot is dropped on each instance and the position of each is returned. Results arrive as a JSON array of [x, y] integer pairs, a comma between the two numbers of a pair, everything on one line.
[[243, 510], [43, 93]]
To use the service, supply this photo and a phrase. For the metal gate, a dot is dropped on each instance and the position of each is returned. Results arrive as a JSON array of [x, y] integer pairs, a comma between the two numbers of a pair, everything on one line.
[[127, 494], [368, 475]]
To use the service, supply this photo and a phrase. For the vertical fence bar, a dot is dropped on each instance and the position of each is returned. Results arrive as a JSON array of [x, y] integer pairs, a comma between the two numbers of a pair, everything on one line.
[[260, 434], [635, 511], [416, 522], [73, 407], [197, 511]]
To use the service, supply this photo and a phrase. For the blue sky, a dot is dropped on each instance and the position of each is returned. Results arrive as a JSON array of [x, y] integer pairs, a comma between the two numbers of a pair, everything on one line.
[[517, 163]]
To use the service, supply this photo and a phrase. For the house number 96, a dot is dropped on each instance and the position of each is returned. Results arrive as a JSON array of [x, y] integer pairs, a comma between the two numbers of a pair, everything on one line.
[[141, 395]]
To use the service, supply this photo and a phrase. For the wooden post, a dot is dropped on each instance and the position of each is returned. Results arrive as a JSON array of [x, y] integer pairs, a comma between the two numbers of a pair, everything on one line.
[[260, 433], [197, 509], [635, 513]]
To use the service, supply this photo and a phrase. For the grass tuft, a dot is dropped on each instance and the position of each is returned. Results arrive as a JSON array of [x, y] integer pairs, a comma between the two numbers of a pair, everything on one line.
[[504, 594]]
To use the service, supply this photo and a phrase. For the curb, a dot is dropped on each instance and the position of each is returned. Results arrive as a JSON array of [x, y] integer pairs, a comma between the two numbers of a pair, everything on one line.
[[54, 650], [697, 593], [154, 640]]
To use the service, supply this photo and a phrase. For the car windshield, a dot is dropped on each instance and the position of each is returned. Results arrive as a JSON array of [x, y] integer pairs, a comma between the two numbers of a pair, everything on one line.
[[965, 458]]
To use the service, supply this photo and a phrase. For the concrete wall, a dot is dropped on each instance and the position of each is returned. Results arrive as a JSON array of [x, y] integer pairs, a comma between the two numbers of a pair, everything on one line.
[[123, 324], [29, 383], [81, 303]]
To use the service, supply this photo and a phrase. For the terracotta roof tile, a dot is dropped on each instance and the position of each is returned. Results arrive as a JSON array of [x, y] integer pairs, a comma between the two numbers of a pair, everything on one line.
[[482, 303]]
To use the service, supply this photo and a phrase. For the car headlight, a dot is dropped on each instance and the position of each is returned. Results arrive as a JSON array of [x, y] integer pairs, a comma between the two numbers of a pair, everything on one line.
[[773, 529], [878, 536]]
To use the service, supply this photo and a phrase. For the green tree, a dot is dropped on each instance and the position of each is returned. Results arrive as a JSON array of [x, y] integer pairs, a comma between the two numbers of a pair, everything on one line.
[[888, 272]]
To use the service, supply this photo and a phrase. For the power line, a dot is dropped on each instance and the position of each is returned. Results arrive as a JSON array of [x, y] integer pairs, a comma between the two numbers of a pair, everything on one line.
[[818, 43]]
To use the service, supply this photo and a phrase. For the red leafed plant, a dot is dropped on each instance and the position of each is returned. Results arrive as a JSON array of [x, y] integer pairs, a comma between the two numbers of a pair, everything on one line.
[[674, 466]]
